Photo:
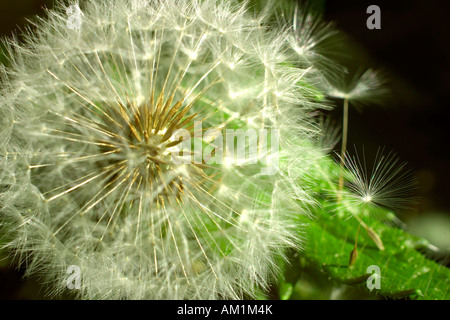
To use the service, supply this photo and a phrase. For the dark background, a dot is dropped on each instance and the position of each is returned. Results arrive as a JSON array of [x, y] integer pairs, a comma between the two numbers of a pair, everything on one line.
[[413, 47]]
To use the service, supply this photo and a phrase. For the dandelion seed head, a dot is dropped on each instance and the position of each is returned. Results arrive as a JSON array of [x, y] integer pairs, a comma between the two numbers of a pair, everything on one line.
[[99, 173]]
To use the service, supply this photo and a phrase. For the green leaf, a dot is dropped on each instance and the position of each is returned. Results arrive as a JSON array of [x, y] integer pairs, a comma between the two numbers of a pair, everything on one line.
[[404, 271]]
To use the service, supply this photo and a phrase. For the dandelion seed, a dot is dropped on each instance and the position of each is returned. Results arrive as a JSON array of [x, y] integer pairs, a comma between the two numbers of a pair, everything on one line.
[[387, 184], [313, 40], [362, 89], [371, 192]]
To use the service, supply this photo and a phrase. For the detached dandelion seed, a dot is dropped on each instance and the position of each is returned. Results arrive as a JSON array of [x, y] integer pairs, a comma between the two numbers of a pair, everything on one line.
[[362, 89], [387, 185]]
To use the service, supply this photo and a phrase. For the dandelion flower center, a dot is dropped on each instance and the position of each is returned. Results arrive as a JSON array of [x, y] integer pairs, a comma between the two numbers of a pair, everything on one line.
[[144, 140]]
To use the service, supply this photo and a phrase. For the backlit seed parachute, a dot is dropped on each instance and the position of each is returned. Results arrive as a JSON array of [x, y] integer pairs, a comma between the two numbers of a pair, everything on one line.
[[104, 130], [371, 189]]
